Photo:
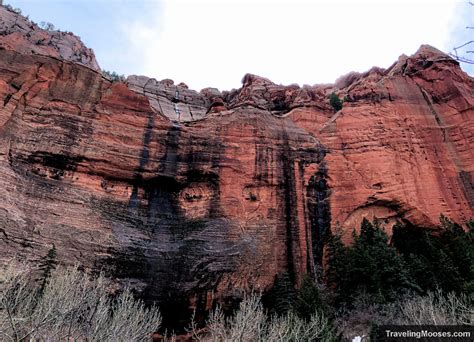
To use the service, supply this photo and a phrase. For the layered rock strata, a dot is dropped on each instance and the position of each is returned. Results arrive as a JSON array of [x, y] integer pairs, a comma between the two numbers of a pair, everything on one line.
[[194, 197]]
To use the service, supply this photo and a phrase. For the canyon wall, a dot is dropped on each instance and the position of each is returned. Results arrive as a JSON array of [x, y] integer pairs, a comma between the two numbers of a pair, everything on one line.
[[193, 197]]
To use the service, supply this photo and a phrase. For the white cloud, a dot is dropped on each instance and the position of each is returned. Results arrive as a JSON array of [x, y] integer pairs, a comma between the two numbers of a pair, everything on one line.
[[459, 33], [214, 43]]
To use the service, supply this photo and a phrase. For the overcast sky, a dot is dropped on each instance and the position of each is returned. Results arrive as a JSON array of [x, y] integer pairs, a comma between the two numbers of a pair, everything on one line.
[[215, 42]]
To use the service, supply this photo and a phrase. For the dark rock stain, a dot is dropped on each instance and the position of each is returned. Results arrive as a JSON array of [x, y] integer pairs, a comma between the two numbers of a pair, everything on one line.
[[7, 99], [290, 208], [182, 257], [142, 161], [318, 206], [263, 162], [214, 207], [468, 186]]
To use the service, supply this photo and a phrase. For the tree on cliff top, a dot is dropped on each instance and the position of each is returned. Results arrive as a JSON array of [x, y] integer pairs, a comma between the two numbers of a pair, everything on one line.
[[113, 76]]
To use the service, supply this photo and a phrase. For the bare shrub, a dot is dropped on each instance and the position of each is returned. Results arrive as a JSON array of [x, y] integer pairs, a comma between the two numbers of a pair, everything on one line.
[[292, 328], [45, 25], [11, 9], [436, 308], [251, 323], [71, 306], [362, 315]]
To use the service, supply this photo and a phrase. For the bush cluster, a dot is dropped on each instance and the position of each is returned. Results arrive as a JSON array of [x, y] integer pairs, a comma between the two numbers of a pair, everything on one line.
[[335, 101], [113, 76], [419, 276], [69, 305], [12, 9], [47, 26], [416, 277]]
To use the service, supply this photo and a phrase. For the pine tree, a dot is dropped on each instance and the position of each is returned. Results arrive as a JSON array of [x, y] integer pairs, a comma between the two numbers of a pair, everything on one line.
[[469, 237], [281, 298], [382, 266], [47, 265], [337, 265], [458, 247], [310, 299], [437, 260], [369, 266]]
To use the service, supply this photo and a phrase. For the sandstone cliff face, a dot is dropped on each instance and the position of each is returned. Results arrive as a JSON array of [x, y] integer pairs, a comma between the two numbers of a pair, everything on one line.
[[193, 197], [401, 148], [181, 211], [24, 36]]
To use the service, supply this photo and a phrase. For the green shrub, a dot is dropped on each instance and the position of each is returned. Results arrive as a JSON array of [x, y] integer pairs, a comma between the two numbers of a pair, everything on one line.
[[113, 76], [47, 26], [311, 298], [335, 101]]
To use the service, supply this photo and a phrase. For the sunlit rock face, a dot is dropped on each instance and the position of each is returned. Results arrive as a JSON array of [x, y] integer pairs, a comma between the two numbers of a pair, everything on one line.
[[401, 148], [24, 36], [194, 197]]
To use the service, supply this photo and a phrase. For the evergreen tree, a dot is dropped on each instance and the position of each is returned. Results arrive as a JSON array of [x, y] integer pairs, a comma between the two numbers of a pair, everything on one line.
[[335, 101], [445, 273], [337, 265], [377, 267], [442, 259], [458, 246], [47, 265], [310, 299], [469, 237], [370, 265], [281, 298]]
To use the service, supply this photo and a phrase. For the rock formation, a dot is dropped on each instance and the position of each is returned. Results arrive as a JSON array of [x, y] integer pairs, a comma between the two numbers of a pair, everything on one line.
[[193, 197], [401, 148]]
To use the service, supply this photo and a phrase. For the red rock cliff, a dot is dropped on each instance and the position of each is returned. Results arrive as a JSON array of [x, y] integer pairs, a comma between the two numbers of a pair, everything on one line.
[[241, 189]]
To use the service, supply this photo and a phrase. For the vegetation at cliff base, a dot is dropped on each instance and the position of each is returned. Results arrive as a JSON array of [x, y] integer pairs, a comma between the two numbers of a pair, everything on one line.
[[370, 265], [72, 306], [47, 265], [418, 276], [415, 260]]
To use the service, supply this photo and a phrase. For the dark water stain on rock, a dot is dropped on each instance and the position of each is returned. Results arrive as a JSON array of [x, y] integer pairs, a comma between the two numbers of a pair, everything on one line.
[[174, 257], [319, 210], [289, 204], [142, 161]]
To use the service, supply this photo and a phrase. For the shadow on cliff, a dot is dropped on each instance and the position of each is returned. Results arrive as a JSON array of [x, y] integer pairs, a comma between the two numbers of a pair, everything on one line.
[[173, 260]]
